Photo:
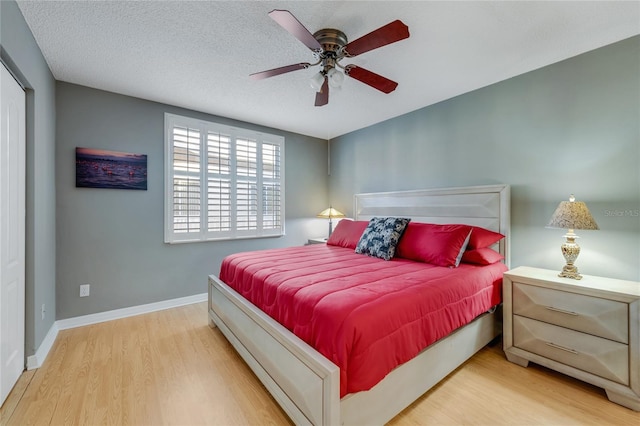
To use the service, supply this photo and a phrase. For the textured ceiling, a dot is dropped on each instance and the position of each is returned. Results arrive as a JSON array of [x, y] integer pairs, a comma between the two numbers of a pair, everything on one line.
[[199, 54]]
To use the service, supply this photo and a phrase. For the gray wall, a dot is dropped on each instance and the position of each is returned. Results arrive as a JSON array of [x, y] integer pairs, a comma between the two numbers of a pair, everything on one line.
[[572, 127], [569, 127], [23, 57], [113, 239]]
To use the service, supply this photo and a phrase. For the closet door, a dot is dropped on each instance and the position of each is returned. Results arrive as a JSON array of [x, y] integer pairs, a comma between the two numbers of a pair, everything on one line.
[[12, 231]]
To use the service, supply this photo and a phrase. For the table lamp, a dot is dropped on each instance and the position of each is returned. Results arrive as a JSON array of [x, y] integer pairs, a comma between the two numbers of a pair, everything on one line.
[[571, 215], [330, 214]]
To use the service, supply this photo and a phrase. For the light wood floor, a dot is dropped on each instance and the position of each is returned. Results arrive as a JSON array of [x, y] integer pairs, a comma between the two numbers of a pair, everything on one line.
[[170, 368]]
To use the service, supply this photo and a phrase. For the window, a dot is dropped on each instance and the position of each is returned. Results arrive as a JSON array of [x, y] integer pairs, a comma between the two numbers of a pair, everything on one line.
[[221, 182]]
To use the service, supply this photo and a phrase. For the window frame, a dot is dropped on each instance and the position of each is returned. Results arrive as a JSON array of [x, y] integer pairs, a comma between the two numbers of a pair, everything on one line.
[[203, 175]]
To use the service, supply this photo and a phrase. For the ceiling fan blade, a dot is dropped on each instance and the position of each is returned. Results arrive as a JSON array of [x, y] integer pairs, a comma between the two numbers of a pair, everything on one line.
[[390, 33], [277, 71], [374, 80], [322, 97], [293, 26]]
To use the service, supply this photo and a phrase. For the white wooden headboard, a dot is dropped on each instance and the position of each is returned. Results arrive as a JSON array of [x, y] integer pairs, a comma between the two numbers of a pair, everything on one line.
[[487, 206]]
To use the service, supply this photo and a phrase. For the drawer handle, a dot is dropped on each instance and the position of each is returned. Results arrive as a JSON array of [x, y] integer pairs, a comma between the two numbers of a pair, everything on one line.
[[562, 311], [562, 348]]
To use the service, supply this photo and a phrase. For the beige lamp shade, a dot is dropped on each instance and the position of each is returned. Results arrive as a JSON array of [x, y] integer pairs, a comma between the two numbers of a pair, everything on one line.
[[330, 213], [572, 215]]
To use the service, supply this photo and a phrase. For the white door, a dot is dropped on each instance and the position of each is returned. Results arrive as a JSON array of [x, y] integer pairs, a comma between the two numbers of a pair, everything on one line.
[[12, 233]]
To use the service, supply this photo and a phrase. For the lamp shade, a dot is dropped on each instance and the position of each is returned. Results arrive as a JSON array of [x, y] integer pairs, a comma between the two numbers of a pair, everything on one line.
[[572, 215], [317, 81], [330, 213], [335, 78]]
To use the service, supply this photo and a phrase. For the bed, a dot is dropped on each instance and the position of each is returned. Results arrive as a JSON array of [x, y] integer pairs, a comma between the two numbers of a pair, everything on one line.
[[306, 383]]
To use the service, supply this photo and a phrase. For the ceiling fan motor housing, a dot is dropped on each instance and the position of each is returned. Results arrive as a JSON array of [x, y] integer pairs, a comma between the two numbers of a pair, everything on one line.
[[332, 41]]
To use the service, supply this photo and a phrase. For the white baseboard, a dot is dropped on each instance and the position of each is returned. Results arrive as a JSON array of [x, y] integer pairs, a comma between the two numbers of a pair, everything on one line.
[[129, 312], [35, 361]]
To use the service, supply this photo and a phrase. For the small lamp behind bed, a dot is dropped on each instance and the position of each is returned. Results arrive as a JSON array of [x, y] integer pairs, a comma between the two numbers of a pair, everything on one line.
[[571, 215], [330, 214]]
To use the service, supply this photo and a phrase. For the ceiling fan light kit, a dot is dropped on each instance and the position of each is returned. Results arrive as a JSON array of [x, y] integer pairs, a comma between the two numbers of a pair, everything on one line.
[[316, 81], [329, 46], [335, 78]]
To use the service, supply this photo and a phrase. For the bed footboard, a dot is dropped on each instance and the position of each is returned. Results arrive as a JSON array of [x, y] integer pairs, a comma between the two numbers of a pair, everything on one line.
[[412, 379], [307, 385], [304, 383]]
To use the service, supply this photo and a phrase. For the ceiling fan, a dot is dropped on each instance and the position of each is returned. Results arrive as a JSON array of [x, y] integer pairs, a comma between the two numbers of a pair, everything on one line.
[[328, 47]]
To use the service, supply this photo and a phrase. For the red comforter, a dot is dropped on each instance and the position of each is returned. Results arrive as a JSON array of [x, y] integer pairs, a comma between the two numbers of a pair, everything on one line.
[[364, 314]]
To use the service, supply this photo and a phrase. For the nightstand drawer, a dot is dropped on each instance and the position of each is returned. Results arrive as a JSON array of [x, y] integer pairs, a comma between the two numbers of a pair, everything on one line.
[[601, 357], [600, 317]]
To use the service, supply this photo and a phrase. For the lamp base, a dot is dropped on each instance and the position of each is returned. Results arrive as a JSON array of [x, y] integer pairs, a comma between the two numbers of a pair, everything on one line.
[[570, 271], [570, 251]]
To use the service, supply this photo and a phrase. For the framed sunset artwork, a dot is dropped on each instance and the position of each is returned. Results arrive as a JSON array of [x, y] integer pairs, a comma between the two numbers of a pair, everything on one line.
[[98, 168]]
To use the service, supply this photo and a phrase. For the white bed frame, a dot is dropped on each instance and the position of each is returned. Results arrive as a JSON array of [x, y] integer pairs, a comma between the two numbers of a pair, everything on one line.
[[305, 383]]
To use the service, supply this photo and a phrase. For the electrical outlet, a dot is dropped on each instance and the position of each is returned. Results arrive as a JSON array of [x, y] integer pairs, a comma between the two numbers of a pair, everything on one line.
[[43, 311], [84, 290]]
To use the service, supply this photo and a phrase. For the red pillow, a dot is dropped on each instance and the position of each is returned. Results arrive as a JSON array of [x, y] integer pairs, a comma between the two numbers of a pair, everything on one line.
[[481, 237], [347, 233], [482, 256], [440, 245]]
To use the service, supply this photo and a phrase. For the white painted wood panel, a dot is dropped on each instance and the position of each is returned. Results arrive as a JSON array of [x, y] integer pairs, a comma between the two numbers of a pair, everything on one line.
[[600, 317], [12, 231], [410, 380], [603, 357], [295, 374], [487, 206]]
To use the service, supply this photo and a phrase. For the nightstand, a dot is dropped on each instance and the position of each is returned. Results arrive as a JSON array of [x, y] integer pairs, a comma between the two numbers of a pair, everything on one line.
[[316, 241], [588, 329]]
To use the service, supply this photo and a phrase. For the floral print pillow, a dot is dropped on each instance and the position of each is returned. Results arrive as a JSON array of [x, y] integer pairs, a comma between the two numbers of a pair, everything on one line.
[[381, 237]]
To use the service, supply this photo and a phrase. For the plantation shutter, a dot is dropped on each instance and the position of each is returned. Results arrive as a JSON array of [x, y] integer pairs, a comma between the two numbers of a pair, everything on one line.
[[271, 190], [222, 182], [246, 185], [219, 181], [186, 180]]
